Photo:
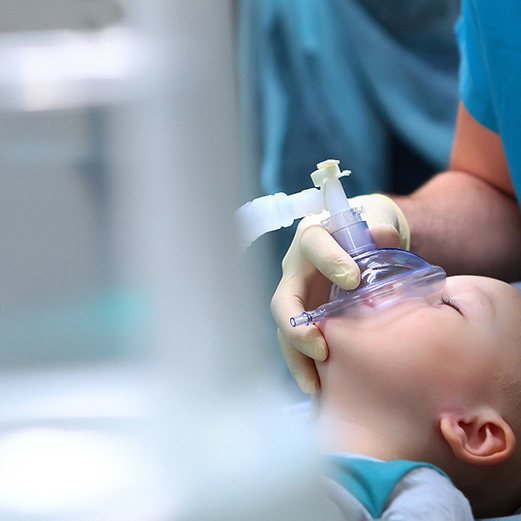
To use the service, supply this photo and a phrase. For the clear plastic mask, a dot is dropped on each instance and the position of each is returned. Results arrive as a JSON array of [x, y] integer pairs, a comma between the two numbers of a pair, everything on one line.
[[388, 276]]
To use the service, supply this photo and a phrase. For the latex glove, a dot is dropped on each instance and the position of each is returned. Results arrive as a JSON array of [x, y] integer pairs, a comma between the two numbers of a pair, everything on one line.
[[314, 260]]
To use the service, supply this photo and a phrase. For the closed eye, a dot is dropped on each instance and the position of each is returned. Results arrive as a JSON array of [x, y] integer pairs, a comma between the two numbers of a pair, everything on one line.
[[447, 301]]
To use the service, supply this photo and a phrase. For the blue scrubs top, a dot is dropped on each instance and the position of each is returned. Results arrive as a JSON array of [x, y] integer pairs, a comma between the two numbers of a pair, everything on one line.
[[337, 78], [489, 35]]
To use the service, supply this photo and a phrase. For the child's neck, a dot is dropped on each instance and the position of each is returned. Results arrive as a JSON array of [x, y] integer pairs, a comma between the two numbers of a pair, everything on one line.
[[386, 434], [346, 436]]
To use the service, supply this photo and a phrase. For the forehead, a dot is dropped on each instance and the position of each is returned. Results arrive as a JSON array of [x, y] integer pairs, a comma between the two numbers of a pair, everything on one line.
[[491, 303], [491, 286], [501, 297]]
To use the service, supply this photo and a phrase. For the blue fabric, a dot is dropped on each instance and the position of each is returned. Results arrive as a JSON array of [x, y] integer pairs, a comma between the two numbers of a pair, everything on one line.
[[336, 78], [489, 35], [371, 482]]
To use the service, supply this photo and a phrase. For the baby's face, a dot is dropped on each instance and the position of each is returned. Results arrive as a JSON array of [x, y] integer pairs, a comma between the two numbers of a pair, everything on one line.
[[448, 347]]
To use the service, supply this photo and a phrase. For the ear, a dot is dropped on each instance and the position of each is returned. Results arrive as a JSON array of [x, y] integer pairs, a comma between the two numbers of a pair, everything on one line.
[[482, 439]]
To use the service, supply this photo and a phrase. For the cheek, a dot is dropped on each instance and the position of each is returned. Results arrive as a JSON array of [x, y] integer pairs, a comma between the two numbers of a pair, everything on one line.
[[434, 367]]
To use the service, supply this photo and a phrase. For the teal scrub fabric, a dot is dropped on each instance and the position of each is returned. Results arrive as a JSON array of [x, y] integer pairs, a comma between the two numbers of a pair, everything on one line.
[[337, 78], [372, 482], [489, 34]]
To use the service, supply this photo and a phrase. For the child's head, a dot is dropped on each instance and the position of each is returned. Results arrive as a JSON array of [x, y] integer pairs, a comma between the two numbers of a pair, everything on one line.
[[433, 380]]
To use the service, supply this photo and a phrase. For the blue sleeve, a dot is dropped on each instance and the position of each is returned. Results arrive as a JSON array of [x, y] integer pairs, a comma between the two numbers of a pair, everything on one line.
[[474, 88]]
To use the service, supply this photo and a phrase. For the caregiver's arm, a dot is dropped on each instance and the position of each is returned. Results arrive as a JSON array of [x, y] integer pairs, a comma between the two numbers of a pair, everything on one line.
[[468, 220]]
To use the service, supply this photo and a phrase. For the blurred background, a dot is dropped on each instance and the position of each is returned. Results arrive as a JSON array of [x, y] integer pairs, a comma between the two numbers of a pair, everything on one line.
[[138, 367]]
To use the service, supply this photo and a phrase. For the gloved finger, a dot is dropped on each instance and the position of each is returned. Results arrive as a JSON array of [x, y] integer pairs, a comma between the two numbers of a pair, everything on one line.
[[287, 303], [319, 248], [301, 367], [385, 236]]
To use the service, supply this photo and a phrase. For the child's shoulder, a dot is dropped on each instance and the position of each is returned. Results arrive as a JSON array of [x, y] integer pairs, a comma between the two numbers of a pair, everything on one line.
[[381, 487]]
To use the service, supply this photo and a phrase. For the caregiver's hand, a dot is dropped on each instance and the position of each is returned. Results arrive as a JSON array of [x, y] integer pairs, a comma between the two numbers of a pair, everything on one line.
[[312, 262]]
